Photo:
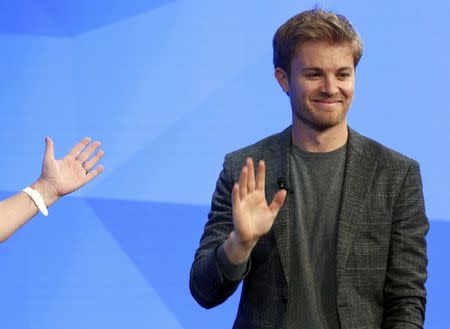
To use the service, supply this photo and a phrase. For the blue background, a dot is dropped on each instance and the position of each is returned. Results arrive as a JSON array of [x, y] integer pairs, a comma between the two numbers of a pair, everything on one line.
[[169, 87]]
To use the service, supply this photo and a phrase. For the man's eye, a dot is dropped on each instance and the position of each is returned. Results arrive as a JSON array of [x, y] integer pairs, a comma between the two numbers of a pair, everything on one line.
[[312, 75], [344, 75]]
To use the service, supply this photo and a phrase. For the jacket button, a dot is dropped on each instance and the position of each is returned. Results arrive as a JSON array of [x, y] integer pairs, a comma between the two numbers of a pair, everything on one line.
[[285, 299]]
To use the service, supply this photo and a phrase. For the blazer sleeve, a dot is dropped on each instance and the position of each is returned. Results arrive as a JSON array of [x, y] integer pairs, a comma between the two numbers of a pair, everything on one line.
[[404, 291], [208, 285]]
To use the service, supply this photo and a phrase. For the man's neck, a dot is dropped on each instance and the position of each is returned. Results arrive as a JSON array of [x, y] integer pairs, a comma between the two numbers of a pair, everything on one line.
[[311, 140]]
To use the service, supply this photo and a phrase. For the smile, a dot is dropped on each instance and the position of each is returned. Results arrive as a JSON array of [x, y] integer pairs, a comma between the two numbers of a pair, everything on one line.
[[327, 103]]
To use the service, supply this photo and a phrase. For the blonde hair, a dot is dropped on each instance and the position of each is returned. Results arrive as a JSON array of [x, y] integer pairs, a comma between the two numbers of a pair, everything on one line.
[[313, 25]]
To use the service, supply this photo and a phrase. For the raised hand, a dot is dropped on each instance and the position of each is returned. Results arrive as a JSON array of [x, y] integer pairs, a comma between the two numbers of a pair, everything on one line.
[[252, 216], [61, 177]]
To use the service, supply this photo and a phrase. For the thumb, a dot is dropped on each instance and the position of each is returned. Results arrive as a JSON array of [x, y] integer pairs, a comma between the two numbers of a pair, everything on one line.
[[49, 149], [278, 201]]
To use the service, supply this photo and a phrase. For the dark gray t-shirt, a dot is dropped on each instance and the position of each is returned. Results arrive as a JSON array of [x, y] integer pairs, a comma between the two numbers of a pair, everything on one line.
[[317, 180]]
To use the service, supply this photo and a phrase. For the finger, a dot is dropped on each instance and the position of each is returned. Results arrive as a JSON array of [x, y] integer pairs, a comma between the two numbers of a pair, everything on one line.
[[88, 165], [83, 156], [251, 175], [79, 147], [277, 202], [235, 195], [93, 173], [243, 182], [261, 176], [49, 149]]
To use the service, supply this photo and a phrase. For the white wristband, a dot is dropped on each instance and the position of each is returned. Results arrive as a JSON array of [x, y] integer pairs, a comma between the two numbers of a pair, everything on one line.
[[37, 198]]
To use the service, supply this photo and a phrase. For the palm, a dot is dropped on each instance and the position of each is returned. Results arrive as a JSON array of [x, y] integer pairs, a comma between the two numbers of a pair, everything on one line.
[[73, 171], [66, 175], [252, 216]]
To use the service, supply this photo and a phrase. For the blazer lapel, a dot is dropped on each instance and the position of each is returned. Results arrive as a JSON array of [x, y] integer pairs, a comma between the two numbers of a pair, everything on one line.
[[359, 172], [277, 167]]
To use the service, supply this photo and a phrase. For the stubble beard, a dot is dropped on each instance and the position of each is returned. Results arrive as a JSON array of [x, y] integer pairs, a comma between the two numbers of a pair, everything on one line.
[[306, 116]]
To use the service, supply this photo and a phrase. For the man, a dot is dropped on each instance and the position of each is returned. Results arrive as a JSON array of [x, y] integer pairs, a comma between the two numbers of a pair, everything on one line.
[[58, 178], [342, 243]]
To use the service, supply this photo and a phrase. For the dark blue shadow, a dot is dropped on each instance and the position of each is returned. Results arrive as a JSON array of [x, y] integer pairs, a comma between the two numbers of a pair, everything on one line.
[[161, 240]]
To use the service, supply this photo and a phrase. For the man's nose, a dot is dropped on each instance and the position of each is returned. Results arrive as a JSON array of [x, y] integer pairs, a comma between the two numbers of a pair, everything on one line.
[[330, 86]]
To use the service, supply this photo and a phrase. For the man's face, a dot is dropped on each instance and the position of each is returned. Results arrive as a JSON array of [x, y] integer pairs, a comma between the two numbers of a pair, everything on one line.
[[321, 84]]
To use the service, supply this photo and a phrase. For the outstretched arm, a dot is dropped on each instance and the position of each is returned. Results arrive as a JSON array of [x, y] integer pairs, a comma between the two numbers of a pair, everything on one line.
[[58, 178]]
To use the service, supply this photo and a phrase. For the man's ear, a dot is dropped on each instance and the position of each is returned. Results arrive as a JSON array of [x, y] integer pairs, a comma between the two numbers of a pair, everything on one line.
[[282, 79]]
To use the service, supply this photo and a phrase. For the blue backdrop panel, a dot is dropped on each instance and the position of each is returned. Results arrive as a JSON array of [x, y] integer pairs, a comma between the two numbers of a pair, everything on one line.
[[438, 284], [70, 272], [170, 87], [68, 17], [113, 263]]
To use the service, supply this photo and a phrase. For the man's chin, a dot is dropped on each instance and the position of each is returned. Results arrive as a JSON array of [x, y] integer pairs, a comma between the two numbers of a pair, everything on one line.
[[321, 124], [320, 121]]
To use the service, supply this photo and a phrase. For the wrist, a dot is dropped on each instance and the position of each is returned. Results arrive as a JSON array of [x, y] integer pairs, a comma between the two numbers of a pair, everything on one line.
[[237, 251], [46, 190]]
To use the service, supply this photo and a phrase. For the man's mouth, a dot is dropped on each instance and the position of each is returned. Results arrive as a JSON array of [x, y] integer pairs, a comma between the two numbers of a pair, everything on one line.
[[327, 101]]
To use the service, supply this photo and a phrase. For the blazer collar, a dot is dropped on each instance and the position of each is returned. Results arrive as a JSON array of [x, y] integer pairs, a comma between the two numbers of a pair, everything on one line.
[[359, 172], [278, 169]]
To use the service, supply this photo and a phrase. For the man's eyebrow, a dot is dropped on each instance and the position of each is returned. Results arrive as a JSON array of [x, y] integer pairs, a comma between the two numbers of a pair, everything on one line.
[[307, 70], [312, 68], [318, 69], [345, 68]]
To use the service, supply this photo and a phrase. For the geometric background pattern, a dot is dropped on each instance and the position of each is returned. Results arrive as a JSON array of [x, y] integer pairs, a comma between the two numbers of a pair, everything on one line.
[[111, 263], [170, 87]]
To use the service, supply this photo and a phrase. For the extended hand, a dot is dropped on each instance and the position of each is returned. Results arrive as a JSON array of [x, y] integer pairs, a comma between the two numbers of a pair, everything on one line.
[[61, 177], [252, 217]]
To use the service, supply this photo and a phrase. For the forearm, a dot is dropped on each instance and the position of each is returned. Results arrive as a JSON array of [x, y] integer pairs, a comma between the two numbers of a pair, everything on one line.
[[208, 285], [218, 270], [20, 208]]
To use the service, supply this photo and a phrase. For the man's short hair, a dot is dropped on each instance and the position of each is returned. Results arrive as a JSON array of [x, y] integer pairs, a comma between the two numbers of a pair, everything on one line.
[[313, 25]]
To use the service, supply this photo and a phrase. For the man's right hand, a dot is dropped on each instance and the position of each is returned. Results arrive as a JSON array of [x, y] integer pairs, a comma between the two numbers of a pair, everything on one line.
[[252, 216]]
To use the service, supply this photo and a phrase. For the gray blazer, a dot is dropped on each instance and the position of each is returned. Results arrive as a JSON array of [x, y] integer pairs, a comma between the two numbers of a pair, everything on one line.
[[381, 249]]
